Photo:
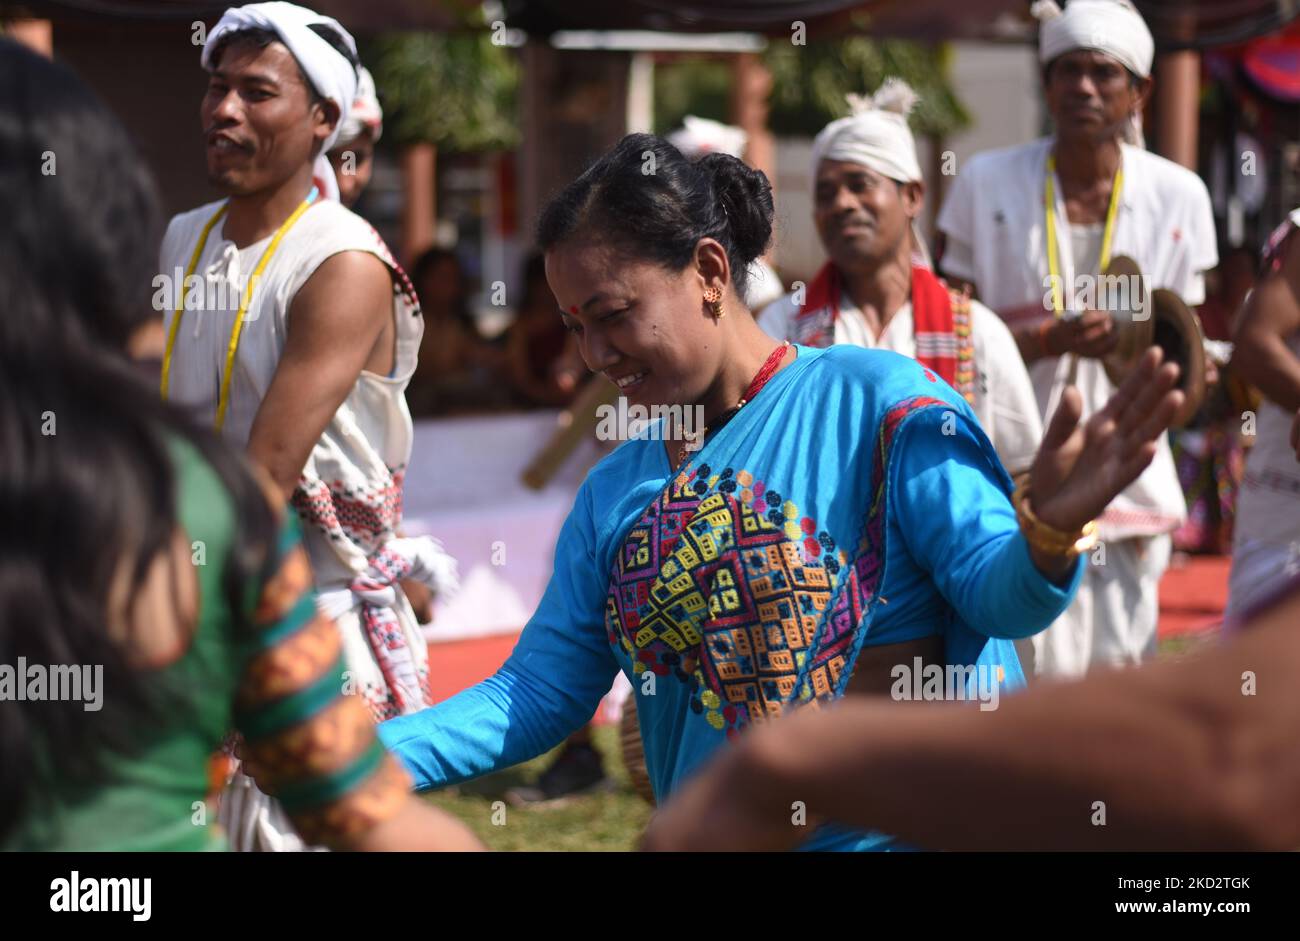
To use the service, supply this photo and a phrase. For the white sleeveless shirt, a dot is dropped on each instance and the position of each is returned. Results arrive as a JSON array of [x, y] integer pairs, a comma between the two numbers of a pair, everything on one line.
[[349, 495]]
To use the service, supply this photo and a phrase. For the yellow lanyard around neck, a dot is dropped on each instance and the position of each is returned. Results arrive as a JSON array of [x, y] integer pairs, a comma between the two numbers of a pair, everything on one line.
[[223, 399], [1053, 259]]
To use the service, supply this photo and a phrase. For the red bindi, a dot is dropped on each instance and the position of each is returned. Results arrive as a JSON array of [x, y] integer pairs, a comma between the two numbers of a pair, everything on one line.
[[573, 309]]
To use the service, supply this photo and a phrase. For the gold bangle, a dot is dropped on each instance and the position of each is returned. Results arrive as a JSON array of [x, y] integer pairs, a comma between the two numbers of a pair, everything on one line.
[[1047, 538]]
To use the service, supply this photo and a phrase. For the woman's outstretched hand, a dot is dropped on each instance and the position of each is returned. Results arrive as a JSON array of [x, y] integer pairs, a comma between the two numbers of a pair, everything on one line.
[[1081, 468]]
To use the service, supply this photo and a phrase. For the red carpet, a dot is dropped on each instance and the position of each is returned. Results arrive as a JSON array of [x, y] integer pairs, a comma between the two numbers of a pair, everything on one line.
[[1192, 597]]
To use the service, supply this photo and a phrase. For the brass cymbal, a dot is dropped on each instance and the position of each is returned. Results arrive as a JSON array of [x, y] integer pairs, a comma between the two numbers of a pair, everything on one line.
[[1156, 318]]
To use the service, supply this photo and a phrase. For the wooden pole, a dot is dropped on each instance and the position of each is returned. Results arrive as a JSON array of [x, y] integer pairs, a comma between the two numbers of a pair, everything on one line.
[[419, 206]]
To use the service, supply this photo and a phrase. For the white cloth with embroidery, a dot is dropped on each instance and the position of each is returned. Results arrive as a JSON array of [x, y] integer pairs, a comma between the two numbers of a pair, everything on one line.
[[350, 493]]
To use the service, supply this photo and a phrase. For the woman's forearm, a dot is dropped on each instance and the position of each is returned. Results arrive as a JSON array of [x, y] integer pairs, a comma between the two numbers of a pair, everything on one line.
[[494, 724]]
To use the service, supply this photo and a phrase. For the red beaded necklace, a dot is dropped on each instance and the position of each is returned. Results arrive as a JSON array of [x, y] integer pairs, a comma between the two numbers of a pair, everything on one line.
[[768, 369]]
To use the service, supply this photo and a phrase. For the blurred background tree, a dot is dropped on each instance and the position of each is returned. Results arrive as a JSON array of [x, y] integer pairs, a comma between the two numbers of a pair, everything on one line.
[[452, 92], [809, 84], [456, 91]]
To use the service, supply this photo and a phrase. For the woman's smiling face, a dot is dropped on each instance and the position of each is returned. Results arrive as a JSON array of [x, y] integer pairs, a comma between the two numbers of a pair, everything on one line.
[[642, 325]]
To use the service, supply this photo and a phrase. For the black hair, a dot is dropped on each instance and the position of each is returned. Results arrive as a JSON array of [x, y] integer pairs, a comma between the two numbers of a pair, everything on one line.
[[261, 38], [649, 200], [98, 495]]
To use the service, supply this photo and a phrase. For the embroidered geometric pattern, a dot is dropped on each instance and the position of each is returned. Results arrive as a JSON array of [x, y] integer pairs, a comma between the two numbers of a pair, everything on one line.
[[405, 674], [366, 516], [721, 584]]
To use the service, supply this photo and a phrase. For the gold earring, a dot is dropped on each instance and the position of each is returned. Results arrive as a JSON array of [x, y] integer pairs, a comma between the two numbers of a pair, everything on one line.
[[713, 297]]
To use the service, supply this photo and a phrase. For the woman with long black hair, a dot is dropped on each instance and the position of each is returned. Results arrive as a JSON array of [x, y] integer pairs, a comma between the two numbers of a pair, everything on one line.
[[138, 554]]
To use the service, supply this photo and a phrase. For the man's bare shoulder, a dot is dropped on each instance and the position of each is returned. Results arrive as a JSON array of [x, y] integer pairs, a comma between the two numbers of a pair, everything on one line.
[[346, 276], [335, 222]]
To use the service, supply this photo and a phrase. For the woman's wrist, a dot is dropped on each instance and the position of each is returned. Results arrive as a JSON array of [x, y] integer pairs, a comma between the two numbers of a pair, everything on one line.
[[1052, 549]]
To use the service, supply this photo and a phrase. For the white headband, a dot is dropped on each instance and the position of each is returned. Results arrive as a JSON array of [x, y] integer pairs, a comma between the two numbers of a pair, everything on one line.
[[700, 136], [366, 113], [329, 72], [875, 135], [1111, 26]]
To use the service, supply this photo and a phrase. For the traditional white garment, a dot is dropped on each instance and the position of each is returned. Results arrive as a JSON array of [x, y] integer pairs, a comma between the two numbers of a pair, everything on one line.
[[1004, 398], [993, 218], [1266, 537], [1112, 621], [349, 494], [350, 491], [365, 114]]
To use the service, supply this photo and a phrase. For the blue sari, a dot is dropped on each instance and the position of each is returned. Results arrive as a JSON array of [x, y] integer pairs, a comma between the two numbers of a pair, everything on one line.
[[855, 501]]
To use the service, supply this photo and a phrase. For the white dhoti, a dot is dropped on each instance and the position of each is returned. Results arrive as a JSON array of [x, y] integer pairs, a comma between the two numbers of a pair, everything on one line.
[[254, 822], [1112, 620]]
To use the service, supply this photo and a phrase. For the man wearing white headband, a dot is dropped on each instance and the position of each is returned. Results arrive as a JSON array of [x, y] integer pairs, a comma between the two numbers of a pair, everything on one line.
[[291, 329], [1030, 228], [352, 157], [877, 291]]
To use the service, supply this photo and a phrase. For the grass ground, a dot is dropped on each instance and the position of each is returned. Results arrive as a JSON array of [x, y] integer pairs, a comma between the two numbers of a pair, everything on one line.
[[602, 822]]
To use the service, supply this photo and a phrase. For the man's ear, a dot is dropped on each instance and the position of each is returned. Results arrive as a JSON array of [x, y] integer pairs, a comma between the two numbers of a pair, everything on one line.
[[329, 114], [913, 196], [1142, 89]]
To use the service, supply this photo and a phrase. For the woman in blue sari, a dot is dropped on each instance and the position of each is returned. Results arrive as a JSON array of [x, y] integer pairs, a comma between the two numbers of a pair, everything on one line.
[[841, 522]]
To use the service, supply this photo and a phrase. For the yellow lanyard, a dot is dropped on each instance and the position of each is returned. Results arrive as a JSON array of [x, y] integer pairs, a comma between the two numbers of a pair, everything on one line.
[[1053, 261], [223, 399]]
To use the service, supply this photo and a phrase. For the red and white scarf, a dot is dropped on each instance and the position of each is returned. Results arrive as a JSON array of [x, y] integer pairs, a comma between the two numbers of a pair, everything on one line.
[[940, 321]]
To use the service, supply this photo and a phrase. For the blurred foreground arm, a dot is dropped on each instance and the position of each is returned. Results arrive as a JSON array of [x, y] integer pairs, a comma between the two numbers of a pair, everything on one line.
[[1197, 754]]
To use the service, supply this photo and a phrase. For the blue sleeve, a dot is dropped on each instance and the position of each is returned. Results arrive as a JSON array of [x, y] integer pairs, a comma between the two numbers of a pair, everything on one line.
[[950, 497], [549, 687]]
